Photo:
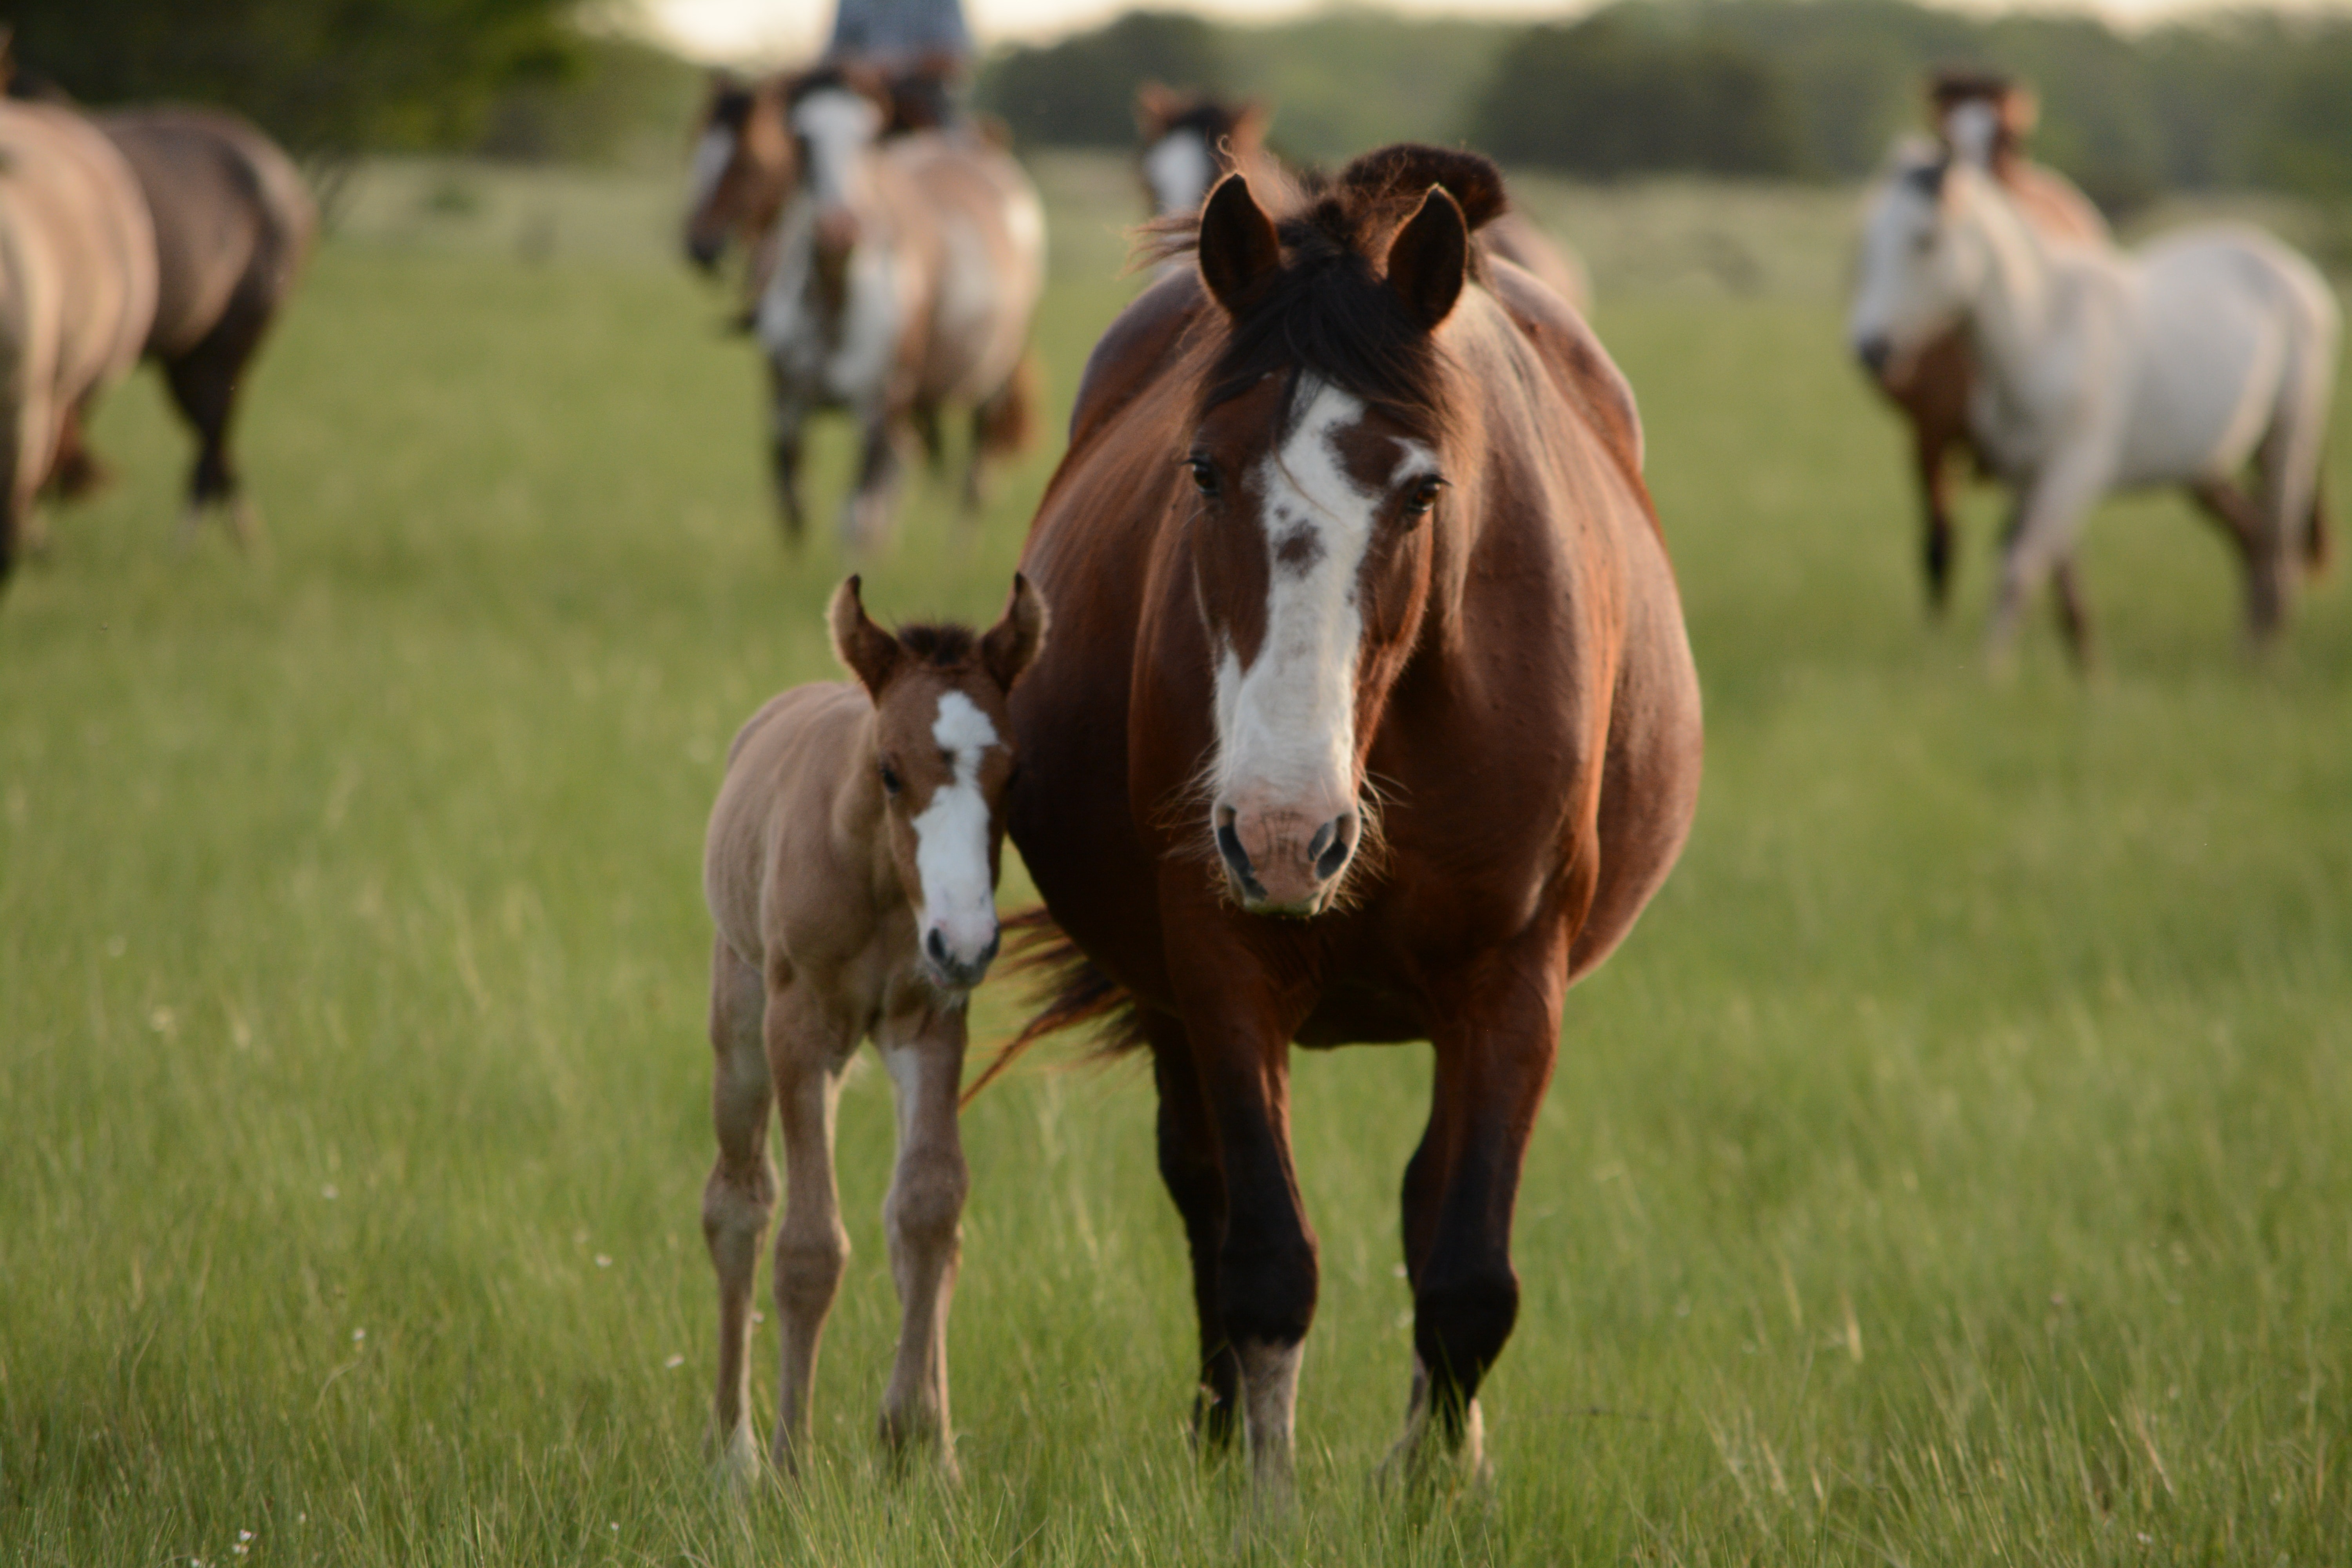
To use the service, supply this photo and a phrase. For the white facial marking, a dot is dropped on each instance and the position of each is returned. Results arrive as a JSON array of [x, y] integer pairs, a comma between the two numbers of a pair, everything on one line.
[[951, 837], [1895, 289], [1178, 167], [711, 156], [1973, 128], [837, 124], [1287, 725]]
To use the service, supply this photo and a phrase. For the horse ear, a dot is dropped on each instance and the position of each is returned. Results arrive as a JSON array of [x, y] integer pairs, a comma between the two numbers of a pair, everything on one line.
[[1010, 646], [869, 653], [1155, 106], [1239, 250], [1430, 257], [1250, 125]]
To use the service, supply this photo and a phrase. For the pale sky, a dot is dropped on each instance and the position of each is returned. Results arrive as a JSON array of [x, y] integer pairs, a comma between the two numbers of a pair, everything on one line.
[[782, 29]]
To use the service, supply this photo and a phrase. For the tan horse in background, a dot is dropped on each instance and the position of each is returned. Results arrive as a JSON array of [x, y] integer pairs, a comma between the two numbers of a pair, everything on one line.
[[1189, 141], [77, 291], [1932, 387], [851, 872], [233, 223]]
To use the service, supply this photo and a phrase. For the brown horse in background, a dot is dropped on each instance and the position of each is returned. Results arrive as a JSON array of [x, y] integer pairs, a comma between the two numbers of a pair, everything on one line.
[[1368, 716], [232, 223], [1933, 386], [904, 273], [77, 291], [1190, 140]]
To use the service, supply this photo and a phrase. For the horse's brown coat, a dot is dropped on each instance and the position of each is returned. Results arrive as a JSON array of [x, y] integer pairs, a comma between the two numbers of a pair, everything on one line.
[[1527, 717]]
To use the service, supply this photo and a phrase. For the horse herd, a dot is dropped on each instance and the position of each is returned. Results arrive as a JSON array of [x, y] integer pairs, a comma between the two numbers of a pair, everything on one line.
[[1343, 693], [175, 234]]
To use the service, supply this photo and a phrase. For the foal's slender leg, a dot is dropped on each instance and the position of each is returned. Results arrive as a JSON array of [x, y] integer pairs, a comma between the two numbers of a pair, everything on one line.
[[741, 1197], [1188, 1166], [922, 1214], [1493, 1061], [807, 1050]]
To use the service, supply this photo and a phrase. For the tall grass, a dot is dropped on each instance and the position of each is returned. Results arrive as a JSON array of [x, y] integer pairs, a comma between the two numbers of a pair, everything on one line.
[[1951, 1168]]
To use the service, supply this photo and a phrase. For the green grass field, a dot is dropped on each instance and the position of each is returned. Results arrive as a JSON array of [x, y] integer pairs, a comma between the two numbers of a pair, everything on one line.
[[1953, 1167]]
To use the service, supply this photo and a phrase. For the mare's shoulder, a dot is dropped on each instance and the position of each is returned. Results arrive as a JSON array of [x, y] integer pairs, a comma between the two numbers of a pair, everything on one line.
[[1566, 343], [1137, 344]]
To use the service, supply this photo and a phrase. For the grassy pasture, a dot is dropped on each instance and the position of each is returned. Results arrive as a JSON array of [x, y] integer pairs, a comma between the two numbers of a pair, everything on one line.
[[1952, 1168]]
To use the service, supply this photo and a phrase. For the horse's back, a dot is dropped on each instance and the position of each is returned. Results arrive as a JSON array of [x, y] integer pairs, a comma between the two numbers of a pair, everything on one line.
[[992, 257], [233, 218], [775, 803]]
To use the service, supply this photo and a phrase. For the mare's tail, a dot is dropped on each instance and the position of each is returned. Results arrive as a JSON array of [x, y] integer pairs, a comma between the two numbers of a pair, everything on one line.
[[1006, 423], [1068, 991]]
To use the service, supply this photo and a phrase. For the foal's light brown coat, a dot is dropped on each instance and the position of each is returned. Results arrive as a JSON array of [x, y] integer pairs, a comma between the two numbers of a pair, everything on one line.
[[845, 810]]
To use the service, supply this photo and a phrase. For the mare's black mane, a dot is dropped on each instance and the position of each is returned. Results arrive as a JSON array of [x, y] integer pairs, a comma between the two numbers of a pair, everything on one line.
[[1328, 311]]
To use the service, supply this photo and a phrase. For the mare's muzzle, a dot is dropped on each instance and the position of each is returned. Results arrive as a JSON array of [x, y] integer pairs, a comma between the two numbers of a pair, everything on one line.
[[1284, 862]]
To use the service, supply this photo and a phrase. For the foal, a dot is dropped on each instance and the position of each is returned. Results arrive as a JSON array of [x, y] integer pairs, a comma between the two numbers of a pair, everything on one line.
[[851, 870]]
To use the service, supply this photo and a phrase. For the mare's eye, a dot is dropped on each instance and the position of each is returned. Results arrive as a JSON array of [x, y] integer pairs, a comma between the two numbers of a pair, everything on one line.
[[1205, 473], [890, 783], [1422, 496]]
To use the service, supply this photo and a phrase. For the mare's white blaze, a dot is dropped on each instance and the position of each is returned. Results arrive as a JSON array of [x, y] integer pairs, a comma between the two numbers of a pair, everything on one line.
[[711, 156], [1178, 167], [837, 125], [951, 837], [1286, 724]]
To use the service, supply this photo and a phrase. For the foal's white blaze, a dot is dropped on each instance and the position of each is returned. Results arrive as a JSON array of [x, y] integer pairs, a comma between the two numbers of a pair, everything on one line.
[[1178, 168], [1286, 724], [837, 124], [711, 156], [952, 838]]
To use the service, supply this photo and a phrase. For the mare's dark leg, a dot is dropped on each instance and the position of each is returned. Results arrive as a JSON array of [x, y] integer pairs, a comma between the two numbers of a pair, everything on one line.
[[205, 382], [1492, 1059], [1189, 1165], [1239, 1023], [867, 518], [787, 412], [2073, 615], [2232, 511]]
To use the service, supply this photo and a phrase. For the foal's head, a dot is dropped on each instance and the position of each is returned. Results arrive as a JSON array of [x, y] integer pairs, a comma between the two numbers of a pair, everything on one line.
[[744, 163], [1319, 455], [1919, 266], [943, 755], [1189, 140]]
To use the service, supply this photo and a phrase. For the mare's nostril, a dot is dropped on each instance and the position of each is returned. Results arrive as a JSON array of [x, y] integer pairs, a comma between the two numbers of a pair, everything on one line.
[[1237, 861], [1329, 850], [936, 947]]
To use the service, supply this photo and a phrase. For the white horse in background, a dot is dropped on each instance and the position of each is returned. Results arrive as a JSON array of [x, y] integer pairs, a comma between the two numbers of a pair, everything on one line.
[[2101, 371]]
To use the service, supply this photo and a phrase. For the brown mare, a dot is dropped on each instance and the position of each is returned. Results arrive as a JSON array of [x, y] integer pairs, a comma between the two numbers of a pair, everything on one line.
[[900, 278], [1933, 386], [78, 293], [851, 873], [1188, 141], [233, 222], [1369, 716]]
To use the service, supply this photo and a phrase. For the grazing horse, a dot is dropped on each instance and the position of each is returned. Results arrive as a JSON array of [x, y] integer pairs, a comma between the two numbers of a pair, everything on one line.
[[851, 872], [1369, 716], [233, 223], [905, 275], [1992, 115], [78, 293], [2098, 370], [1191, 139]]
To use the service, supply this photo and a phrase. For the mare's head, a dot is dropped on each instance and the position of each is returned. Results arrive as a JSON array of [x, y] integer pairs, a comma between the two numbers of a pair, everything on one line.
[[1188, 141], [1323, 434], [943, 755], [1919, 265], [744, 163], [1982, 115]]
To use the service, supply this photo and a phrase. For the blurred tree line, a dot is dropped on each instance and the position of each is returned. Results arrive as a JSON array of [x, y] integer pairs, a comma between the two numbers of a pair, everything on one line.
[[333, 78], [1784, 88]]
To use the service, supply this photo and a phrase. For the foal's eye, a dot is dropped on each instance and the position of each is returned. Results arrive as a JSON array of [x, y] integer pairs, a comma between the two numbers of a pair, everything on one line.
[[1205, 473], [890, 782], [1422, 496]]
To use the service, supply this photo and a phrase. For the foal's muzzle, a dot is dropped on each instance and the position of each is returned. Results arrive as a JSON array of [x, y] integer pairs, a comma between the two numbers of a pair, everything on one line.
[[960, 971]]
